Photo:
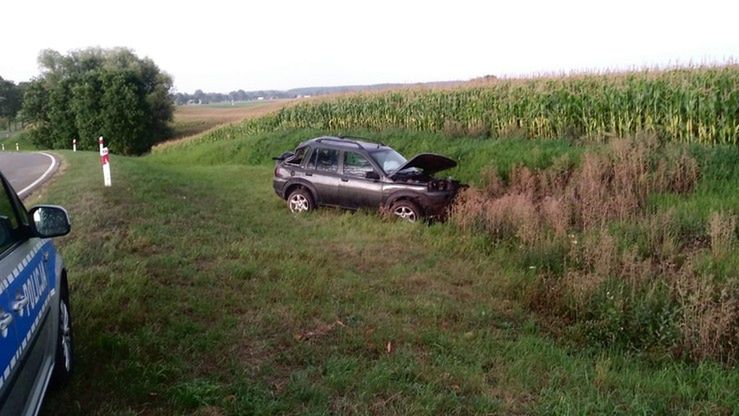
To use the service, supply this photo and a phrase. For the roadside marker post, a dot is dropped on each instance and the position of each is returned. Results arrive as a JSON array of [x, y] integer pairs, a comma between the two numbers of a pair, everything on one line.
[[105, 161], [74, 145], [17, 148], [3, 147]]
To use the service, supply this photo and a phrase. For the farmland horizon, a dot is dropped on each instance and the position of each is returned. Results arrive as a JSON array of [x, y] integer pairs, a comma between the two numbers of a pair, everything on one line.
[[729, 61], [390, 83]]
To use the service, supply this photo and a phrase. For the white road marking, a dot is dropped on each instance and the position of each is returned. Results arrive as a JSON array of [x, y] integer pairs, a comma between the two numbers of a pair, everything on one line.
[[42, 177]]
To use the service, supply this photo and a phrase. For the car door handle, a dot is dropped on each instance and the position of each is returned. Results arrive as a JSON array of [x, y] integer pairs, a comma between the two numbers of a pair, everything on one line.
[[308, 174], [344, 180], [5, 320], [20, 303]]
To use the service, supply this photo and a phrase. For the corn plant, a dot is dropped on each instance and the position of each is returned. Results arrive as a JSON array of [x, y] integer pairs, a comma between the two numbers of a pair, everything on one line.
[[696, 105]]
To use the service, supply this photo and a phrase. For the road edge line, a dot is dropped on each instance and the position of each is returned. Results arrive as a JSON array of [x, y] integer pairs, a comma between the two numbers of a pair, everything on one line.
[[51, 168]]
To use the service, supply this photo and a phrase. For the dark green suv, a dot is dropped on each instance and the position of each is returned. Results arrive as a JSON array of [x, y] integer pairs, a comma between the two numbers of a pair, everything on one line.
[[353, 173]]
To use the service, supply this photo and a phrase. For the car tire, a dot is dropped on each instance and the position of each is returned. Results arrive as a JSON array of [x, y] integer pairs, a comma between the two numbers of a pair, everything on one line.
[[64, 363], [300, 201], [406, 210]]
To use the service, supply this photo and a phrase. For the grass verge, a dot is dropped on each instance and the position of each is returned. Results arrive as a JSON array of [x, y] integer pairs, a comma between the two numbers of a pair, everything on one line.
[[194, 291]]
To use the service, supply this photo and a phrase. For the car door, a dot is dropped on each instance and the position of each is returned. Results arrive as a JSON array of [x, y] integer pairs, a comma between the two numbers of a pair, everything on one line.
[[8, 335], [355, 189], [323, 170], [28, 291]]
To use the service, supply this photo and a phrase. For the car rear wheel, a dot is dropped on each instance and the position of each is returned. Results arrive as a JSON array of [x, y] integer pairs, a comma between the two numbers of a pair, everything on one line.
[[406, 211], [64, 364], [300, 201]]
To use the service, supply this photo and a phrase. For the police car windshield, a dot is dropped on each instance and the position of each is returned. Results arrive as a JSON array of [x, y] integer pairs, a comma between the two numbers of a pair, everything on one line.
[[388, 159]]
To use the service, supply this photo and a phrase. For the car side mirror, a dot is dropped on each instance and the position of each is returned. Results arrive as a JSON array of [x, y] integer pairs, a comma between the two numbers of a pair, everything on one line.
[[372, 175], [50, 221]]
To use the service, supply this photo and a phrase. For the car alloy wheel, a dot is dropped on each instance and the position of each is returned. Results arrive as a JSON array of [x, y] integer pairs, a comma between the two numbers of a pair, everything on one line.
[[66, 335], [405, 212], [64, 365], [299, 203]]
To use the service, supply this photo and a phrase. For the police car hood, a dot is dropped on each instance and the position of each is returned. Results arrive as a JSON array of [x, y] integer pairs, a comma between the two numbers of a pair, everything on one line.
[[429, 163]]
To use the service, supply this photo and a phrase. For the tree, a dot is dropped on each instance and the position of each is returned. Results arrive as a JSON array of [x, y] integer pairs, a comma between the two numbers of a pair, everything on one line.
[[10, 100], [99, 92]]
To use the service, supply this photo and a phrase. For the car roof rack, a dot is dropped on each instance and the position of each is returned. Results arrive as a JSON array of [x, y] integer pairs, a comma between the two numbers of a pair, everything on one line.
[[340, 140], [381, 144]]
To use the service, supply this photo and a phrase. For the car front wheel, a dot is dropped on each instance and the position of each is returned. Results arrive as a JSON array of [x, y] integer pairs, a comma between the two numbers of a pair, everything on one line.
[[406, 210], [300, 201]]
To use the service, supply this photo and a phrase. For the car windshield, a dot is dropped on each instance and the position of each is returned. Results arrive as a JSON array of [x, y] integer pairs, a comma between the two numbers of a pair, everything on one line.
[[388, 159]]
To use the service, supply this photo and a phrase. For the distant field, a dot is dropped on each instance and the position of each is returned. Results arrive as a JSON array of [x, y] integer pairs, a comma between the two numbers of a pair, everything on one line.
[[193, 119], [235, 104]]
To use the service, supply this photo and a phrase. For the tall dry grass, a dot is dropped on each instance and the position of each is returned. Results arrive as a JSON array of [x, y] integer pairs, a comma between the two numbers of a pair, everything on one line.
[[637, 292], [607, 186]]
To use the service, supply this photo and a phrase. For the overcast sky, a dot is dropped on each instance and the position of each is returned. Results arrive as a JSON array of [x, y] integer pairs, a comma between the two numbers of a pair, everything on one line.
[[220, 46]]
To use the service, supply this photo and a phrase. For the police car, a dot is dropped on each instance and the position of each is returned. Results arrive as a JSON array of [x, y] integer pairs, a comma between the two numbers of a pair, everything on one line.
[[35, 326]]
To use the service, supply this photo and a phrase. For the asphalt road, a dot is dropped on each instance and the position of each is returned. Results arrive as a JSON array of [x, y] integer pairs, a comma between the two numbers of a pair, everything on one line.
[[25, 171]]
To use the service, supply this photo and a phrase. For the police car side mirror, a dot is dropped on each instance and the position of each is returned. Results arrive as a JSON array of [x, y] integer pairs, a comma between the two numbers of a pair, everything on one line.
[[50, 221], [372, 175]]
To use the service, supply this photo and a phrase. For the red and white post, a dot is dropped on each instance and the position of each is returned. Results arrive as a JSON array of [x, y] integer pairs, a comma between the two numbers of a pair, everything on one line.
[[105, 161], [74, 145]]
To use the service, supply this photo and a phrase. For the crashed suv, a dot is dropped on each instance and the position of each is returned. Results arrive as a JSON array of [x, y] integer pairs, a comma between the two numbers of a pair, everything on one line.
[[353, 173]]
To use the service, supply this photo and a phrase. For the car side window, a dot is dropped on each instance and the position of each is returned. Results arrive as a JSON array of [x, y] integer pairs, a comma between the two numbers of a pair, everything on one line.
[[312, 160], [300, 154], [356, 165], [327, 160], [9, 225]]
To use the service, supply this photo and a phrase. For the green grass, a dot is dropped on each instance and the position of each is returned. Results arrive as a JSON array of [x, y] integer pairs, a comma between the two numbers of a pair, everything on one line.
[[227, 146], [21, 137], [195, 291]]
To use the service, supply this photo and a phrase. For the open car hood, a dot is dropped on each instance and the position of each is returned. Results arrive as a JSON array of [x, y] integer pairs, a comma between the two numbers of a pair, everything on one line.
[[429, 163]]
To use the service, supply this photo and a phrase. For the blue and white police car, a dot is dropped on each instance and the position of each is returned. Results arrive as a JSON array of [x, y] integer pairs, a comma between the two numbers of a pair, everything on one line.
[[35, 325]]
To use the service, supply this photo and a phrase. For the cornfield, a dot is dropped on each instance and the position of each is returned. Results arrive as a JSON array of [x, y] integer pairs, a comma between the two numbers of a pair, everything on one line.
[[694, 105]]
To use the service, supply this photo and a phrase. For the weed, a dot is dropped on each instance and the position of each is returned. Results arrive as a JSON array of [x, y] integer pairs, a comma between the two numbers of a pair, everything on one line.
[[721, 231]]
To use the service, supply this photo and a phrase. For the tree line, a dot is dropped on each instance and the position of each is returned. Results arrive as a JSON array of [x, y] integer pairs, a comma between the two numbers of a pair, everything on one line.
[[200, 97]]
